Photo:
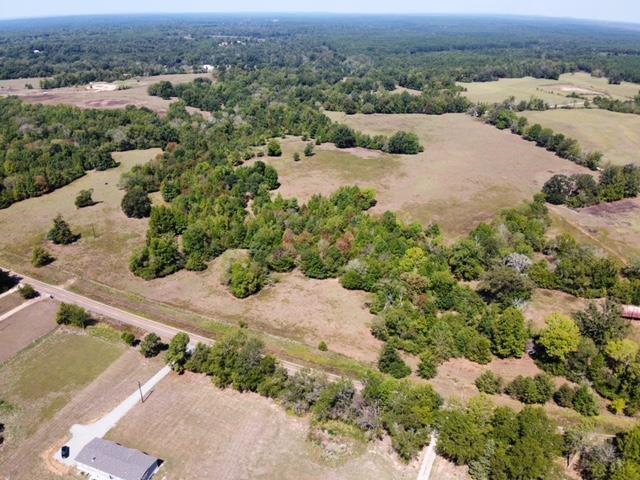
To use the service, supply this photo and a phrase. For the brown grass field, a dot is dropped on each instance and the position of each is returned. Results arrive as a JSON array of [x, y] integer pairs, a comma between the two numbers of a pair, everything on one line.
[[468, 172], [25, 327], [614, 134], [135, 93], [613, 228], [10, 302], [554, 92], [203, 432]]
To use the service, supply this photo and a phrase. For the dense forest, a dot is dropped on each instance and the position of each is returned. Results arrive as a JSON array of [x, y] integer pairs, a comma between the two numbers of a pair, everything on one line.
[[80, 49]]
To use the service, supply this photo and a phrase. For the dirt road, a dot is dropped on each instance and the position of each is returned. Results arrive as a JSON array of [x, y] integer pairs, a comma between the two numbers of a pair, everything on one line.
[[166, 332]]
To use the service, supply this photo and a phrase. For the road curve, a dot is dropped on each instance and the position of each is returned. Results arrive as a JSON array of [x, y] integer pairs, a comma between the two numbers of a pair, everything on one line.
[[166, 332]]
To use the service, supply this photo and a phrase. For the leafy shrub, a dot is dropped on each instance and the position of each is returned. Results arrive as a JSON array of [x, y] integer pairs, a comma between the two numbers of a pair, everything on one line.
[[128, 337], [84, 199], [428, 367], [72, 315], [41, 257], [28, 292], [390, 362], [136, 203], [489, 383], [246, 278], [538, 389], [61, 233]]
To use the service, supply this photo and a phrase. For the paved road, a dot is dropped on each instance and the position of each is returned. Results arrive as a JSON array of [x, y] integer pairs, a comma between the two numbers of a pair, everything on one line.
[[166, 332], [81, 435]]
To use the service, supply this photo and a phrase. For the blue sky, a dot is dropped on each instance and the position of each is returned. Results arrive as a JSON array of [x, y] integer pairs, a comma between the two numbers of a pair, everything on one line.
[[620, 10]]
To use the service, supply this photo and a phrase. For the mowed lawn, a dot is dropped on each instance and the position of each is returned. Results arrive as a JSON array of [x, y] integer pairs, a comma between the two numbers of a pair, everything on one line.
[[43, 378], [554, 92], [616, 135], [201, 431]]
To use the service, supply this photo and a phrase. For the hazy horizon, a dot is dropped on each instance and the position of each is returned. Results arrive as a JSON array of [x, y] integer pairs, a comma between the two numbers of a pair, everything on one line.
[[615, 11]]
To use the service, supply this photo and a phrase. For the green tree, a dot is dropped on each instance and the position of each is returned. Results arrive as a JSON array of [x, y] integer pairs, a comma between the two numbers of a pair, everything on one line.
[[246, 278], [61, 233], [390, 362], [40, 257], [404, 143], [509, 334], [560, 337], [296, 157], [274, 149], [84, 198], [505, 286], [428, 367], [28, 292], [150, 345], [602, 324], [128, 337], [177, 354], [72, 315], [136, 203], [584, 402]]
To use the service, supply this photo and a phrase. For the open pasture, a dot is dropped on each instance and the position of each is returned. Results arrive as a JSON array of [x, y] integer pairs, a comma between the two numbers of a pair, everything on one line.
[[614, 134], [128, 92], [554, 92], [468, 172], [25, 327], [203, 432]]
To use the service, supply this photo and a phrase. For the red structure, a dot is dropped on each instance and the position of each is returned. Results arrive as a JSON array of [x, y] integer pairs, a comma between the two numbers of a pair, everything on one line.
[[631, 312]]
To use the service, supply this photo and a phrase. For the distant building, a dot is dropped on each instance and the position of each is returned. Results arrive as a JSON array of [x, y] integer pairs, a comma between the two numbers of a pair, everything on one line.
[[102, 86], [631, 312], [104, 460]]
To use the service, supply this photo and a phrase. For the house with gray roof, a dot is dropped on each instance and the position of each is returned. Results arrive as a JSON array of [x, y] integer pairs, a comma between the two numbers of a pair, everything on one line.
[[104, 460]]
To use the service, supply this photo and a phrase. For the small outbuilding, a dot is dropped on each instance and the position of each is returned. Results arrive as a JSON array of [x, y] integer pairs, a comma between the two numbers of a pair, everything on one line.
[[632, 312], [104, 460]]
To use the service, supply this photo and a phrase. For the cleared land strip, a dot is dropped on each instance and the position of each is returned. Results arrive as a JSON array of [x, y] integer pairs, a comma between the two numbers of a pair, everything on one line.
[[10, 291], [165, 331]]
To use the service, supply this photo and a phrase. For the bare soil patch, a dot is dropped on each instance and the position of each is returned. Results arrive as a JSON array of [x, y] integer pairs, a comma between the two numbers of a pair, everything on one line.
[[545, 302], [25, 327], [203, 432]]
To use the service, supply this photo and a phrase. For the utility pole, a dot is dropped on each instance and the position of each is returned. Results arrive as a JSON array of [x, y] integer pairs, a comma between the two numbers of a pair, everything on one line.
[[140, 390]]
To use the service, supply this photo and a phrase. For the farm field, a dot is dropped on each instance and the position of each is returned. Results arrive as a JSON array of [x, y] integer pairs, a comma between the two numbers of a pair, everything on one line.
[[203, 432], [468, 172], [134, 93], [554, 92], [26, 458], [42, 379], [25, 327], [614, 134]]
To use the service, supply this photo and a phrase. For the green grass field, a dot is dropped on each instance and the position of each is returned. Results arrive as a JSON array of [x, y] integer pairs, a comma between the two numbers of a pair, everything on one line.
[[554, 92], [614, 134], [43, 378]]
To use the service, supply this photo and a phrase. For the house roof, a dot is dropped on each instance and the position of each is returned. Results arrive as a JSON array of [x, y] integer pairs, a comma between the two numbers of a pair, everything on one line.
[[116, 460]]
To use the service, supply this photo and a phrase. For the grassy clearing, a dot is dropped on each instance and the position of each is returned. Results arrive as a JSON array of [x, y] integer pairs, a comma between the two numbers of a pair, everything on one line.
[[554, 92], [614, 134], [10, 302], [42, 379]]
